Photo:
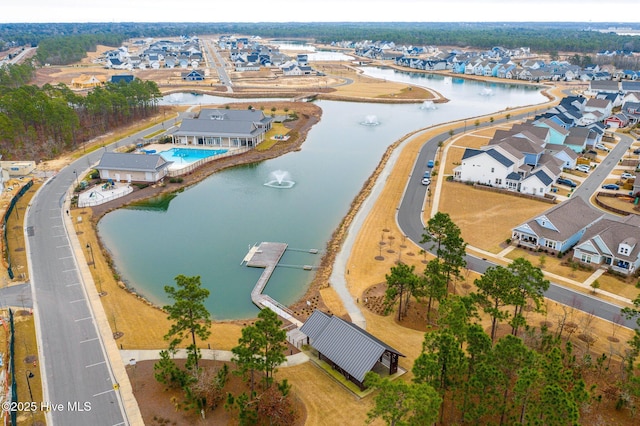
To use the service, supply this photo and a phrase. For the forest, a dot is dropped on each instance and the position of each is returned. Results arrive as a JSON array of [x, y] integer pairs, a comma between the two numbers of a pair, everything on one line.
[[42, 122], [76, 38]]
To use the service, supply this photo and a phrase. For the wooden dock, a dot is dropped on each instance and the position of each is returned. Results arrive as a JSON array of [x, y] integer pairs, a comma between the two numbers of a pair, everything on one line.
[[267, 256]]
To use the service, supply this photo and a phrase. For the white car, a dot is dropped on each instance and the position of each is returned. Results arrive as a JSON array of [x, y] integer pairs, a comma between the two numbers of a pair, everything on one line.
[[583, 168], [601, 147], [626, 175], [426, 181]]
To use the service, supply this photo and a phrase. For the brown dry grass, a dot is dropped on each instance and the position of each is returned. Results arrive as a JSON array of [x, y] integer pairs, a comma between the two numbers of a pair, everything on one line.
[[142, 324], [486, 218], [325, 400]]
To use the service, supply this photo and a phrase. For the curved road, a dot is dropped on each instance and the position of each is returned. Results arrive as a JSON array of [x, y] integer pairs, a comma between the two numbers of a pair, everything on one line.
[[409, 219]]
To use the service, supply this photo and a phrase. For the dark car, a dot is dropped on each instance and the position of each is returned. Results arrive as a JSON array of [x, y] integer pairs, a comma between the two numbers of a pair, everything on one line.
[[611, 186], [636, 151], [567, 182]]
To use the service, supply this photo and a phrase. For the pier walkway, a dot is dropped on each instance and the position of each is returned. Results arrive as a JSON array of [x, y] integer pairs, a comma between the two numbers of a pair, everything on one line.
[[267, 255]]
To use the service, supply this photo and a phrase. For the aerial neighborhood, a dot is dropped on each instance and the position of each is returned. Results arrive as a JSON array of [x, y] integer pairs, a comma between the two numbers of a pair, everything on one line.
[[475, 333]]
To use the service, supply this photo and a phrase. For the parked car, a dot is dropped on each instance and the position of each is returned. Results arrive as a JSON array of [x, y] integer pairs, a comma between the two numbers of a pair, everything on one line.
[[636, 151], [602, 147], [611, 186], [426, 181], [567, 182], [430, 164], [626, 175], [583, 168], [427, 175]]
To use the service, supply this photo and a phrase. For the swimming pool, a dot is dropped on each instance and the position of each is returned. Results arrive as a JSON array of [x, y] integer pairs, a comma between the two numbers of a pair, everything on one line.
[[189, 155]]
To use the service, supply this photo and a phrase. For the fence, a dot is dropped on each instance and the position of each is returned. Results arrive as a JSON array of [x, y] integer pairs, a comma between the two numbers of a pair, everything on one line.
[[97, 201], [12, 204], [191, 167]]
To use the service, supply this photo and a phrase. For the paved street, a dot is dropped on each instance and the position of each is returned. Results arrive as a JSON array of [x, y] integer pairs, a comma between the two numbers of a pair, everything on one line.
[[409, 218], [73, 355]]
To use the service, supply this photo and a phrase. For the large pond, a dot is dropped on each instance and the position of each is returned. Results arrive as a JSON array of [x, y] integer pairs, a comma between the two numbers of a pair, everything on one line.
[[207, 229]]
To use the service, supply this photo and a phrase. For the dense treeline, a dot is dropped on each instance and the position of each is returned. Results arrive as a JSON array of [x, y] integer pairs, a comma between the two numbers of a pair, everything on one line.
[[41, 122], [540, 37], [15, 76], [64, 50]]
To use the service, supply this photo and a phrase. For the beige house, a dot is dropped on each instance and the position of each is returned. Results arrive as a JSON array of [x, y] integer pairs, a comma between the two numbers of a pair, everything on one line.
[[87, 81], [121, 167]]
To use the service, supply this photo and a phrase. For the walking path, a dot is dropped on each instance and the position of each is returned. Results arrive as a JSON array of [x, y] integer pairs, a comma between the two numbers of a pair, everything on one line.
[[130, 357]]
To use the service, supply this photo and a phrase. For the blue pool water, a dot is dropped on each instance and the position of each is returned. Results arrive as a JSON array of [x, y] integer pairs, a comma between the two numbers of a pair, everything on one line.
[[188, 155]]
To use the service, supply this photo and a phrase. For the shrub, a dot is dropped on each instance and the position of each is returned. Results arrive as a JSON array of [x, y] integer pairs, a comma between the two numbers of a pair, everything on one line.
[[176, 180]]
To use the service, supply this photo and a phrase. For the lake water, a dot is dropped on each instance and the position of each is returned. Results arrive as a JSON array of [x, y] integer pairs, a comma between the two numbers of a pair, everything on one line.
[[207, 229]]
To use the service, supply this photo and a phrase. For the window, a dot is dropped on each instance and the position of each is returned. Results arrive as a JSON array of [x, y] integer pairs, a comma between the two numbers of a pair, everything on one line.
[[498, 181], [586, 258], [550, 244], [492, 170]]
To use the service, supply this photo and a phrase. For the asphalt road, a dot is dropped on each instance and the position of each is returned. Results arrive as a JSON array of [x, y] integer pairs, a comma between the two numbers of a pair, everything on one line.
[[16, 295], [409, 219], [72, 357]]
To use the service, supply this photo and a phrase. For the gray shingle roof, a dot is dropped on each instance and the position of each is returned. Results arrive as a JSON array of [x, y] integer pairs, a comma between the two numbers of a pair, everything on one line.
[[218, 128], [568, 218], [347, 345], [133, 162], [611, 233]]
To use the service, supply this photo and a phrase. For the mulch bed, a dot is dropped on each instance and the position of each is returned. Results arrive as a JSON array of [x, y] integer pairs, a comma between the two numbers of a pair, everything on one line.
[[159, 404]]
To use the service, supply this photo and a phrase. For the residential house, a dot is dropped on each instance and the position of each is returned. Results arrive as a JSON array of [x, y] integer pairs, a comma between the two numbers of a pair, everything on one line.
[[566, 155], [193, 75], [557, 133], [122, 78], [87, 81], [557, 229], [611, 243], [146, 168], [630, 86], [617, 121], [603, 86]]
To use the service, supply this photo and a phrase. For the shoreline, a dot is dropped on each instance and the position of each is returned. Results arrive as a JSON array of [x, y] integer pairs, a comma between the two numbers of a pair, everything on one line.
[[302, 126]]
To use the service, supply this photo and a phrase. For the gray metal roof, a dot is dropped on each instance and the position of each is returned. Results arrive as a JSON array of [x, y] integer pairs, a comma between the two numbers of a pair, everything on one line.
[[350, 347], [133, 162], [218, 128]]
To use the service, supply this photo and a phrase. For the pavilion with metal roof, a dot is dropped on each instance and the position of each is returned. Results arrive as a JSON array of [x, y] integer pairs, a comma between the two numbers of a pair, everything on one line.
[[348, 348]]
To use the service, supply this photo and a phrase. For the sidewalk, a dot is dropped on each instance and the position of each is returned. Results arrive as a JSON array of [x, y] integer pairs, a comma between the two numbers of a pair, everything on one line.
[[135, 355], [586, 284]]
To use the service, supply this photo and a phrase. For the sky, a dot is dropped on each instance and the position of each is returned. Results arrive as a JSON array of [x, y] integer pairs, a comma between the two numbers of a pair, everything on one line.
[[321, 11]]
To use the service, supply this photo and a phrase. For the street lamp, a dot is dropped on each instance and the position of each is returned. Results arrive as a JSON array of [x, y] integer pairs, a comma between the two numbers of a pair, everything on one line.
[[76, 173], [29, 375], [93, 260]]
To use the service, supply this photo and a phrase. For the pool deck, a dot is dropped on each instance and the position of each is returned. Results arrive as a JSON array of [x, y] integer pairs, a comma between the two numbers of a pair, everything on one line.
[[267, 255]]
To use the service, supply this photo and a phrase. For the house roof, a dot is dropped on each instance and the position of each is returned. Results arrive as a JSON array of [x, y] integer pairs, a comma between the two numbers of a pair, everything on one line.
[[350, 347], [252, 115], [218, 128], [542, 177], [606, 235], [132, 162], [568, 218]]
